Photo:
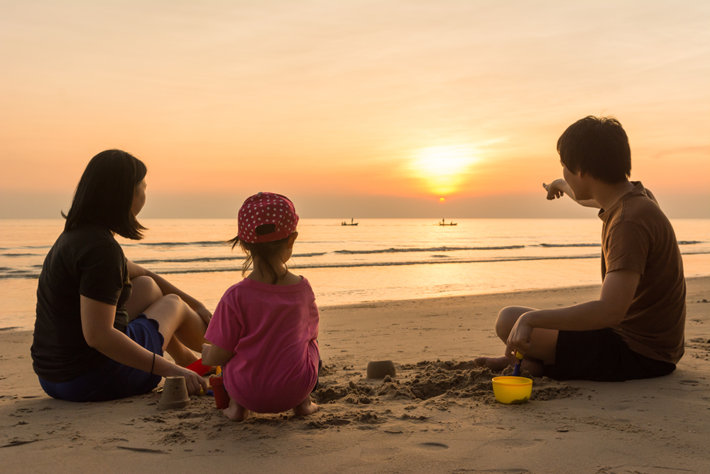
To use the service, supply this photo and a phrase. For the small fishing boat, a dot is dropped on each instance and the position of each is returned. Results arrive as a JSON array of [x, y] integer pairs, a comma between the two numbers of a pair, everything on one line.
[[443, 222], [352, 222]]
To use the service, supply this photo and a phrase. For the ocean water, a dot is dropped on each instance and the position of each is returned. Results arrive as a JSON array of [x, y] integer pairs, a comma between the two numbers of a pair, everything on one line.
[[379, 259]]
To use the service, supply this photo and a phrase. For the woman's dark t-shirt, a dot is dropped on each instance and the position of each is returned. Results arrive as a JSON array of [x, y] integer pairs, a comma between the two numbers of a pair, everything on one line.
[[82, 262]]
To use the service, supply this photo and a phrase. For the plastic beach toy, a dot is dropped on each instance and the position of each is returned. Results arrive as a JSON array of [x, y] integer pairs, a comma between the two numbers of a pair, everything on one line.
[[510, 389], [199, 368], [221, 397], [516, 369]]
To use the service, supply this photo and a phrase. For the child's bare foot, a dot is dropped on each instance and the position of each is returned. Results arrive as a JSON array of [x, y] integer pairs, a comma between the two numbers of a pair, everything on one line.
[[235, 411], [306, 407], [496, 364]]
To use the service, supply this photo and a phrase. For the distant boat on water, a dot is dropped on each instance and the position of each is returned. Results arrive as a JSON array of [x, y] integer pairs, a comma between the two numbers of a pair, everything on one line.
[[352, 222], [443, 222]]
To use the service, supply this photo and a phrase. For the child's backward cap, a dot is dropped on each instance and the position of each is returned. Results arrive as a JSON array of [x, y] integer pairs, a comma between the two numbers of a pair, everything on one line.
[[263, 209]]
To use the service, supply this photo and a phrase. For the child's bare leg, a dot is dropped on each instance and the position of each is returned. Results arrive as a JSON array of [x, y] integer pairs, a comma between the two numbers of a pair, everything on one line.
[[306, 407], [235, 411]]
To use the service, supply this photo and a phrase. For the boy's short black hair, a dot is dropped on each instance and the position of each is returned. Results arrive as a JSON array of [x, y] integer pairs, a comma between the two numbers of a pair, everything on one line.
[[104, 195], [597, 146]]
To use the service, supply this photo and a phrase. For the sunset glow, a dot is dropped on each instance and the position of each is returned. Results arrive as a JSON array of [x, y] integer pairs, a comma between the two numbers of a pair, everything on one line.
[[443, 169], [316, 100]]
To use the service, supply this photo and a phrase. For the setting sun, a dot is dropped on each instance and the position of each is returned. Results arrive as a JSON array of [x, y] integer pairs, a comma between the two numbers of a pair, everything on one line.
[[443, 168]]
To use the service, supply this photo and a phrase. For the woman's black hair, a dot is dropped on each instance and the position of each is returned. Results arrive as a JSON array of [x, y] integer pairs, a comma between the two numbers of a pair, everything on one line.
[[263, 250], [104, 195]]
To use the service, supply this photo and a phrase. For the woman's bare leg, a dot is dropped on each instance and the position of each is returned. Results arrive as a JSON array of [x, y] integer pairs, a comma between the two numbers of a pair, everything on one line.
[[180, 353], [176, 318], [177, 321], [144, 293]]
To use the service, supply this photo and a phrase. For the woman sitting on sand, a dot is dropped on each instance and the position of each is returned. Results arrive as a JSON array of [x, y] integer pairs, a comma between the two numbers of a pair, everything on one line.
[[103, 322], [265, 327]]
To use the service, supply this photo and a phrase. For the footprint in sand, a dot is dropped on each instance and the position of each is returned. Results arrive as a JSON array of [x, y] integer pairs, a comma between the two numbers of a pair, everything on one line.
[[434, 445], [509, 443]]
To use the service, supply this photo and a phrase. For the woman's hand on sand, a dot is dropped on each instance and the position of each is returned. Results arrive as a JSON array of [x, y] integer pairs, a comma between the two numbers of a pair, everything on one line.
[[195, 383], [555, 189]]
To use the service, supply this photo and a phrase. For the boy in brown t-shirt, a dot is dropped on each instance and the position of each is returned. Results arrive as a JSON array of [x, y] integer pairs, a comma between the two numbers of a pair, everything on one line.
[[635, 329]]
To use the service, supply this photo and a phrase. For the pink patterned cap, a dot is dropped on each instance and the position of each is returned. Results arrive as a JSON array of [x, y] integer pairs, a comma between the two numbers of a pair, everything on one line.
[[272, 214]]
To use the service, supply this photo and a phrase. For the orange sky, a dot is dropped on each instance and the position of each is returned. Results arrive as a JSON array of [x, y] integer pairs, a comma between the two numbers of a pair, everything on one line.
[[335, 102]]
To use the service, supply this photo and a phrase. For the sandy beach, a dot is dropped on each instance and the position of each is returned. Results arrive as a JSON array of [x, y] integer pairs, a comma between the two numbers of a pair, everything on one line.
[[437, 415]]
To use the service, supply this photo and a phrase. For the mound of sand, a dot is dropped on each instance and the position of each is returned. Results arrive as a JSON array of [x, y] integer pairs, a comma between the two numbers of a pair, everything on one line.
[[423, 381]]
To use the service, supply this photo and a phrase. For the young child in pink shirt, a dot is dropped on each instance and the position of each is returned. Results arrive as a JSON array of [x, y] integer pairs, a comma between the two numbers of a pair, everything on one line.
[[265, 327]]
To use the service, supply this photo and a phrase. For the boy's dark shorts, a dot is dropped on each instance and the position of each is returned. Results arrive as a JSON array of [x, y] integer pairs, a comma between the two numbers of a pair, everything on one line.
[[601, 355]]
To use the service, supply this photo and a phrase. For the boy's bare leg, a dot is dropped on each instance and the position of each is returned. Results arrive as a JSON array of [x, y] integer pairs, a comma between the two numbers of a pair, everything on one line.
[[507, 317], [235, 411], [306, 407], [496, 364], [543, 344]]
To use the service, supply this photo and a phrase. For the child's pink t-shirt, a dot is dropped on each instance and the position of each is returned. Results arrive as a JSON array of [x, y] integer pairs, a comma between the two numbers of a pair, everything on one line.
[[272, 331]]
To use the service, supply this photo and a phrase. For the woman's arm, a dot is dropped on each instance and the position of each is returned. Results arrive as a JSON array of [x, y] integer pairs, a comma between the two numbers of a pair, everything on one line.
[[135, 270], [97, 320]]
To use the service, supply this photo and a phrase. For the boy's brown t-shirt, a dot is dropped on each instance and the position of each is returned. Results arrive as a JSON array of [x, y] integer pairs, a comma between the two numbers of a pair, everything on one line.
[[637, 236]]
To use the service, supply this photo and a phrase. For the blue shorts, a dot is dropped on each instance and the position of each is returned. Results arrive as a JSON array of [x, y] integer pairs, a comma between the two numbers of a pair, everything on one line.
[[113, 380], [601, 355]]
